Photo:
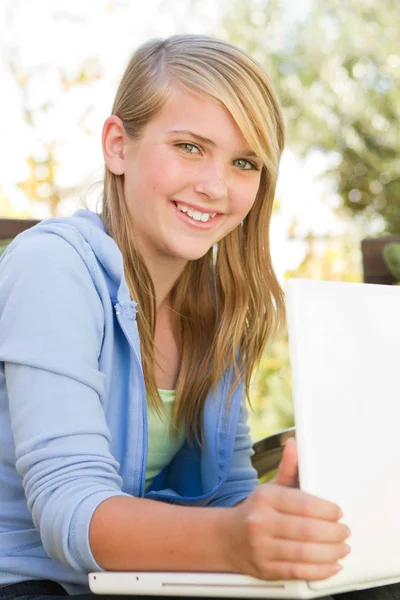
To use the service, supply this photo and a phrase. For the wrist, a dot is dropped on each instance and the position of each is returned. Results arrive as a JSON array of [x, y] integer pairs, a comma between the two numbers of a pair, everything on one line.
[[226, 525]]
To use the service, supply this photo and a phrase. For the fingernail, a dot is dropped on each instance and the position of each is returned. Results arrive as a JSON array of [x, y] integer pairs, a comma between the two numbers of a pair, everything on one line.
[[347, 549]]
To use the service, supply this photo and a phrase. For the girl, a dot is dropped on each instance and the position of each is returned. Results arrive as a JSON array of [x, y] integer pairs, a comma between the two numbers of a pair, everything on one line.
[[127, 343]]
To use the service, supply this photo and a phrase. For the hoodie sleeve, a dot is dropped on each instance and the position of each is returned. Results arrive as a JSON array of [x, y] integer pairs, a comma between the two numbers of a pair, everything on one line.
[[51, 332], [242, 477]]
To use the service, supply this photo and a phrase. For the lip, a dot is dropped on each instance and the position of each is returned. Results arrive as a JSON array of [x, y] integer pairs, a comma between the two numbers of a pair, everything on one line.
[[201, 209], [210, 224]]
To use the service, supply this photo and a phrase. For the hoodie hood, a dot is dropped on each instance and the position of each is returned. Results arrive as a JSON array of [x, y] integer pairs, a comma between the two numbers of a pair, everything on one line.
[[86, 232]]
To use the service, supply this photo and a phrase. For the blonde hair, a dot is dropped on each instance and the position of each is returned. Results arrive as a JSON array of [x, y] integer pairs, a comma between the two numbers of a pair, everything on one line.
[[228, 303]]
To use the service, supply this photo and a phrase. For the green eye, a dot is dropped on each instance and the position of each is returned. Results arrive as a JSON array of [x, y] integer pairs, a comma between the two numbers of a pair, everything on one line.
[[244, 165], [189, 148]]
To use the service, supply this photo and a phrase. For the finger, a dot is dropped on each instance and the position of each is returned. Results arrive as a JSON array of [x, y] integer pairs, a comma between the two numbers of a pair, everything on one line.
[[288, 467], [305, 552], [296, 502], [309, 530], [276, 570]]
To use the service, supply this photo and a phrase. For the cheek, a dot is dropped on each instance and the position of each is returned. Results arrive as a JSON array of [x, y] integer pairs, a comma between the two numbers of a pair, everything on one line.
[[163, 178], [246, 197]]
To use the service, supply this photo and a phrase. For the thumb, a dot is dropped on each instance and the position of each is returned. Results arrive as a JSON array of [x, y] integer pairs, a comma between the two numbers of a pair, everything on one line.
[[288, 474]]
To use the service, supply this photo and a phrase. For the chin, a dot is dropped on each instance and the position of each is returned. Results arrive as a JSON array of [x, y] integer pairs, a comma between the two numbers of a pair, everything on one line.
[[190, 254]]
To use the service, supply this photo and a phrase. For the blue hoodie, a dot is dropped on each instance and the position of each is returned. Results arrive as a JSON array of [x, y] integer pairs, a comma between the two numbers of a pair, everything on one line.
[[73, 421]]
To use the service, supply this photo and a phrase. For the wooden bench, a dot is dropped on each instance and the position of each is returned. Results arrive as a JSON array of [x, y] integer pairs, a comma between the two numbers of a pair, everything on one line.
[[9, 228], [374, 267]]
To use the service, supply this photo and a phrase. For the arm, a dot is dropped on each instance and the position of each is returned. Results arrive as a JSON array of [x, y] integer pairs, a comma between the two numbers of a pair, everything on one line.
[[51, 331], [139, 534], [162, 534], [276, 533]]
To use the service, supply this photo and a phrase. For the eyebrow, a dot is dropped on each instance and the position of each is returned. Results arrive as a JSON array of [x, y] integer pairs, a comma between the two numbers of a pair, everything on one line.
[[208, 142]]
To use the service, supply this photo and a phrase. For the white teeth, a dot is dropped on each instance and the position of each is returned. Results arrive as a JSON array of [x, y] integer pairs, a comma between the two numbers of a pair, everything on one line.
[[195, 214]]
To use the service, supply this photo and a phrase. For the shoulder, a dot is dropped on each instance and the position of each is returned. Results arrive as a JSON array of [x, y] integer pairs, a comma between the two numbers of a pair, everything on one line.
[[42, 270], [44, 257], [49, 303], [35, 248], [38, 246]]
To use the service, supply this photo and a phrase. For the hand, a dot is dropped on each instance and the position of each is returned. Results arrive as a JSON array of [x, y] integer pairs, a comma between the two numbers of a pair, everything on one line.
[[283, 533]]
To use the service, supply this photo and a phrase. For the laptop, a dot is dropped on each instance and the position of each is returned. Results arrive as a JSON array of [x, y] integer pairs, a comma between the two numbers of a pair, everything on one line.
[[344, 341]]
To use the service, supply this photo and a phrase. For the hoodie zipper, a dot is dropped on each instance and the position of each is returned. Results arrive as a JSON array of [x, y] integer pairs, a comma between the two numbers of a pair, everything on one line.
[[119, 309]]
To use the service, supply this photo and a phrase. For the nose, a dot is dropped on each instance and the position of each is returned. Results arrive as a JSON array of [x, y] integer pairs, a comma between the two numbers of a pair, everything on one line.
[[212, 182]]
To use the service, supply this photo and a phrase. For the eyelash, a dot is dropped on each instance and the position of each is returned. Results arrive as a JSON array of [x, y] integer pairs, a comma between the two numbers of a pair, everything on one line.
[[253, 166]]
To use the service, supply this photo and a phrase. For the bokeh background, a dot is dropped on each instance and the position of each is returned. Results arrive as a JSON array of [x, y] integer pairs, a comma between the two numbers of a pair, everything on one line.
[[335, 66]]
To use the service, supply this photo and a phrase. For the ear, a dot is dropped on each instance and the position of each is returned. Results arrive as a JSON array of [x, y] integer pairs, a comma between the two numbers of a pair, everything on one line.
[[113, 141]]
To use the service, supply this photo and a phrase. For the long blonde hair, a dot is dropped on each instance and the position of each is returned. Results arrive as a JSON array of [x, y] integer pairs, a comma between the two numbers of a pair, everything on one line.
[[228, 303]]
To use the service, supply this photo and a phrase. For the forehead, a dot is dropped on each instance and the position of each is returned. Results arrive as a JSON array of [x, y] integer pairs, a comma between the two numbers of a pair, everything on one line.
[[185, 111]]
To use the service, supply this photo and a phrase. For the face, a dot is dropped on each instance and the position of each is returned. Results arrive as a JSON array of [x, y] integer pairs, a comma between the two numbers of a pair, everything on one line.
[[189, 180]]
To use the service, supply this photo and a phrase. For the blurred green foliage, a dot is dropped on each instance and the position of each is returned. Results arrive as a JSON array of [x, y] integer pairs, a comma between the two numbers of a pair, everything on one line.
[[40, 184], [391, 255], [271, 398], [3, 245], [336, 67]]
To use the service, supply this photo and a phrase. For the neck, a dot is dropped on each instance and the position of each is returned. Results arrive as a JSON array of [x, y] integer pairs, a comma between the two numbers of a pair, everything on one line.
[[164, 277]]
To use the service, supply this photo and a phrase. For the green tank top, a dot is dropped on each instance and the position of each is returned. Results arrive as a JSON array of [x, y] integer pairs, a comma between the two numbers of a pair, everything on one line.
[[163, 442]]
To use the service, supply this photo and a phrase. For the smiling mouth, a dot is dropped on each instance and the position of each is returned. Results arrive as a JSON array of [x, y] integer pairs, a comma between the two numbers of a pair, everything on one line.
[[196, 215]]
